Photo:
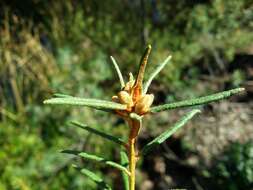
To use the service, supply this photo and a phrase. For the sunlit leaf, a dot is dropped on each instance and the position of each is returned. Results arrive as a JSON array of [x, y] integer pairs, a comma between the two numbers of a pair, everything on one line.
[[196, 101], [93, 103], [122, 83], [99, 133], [97, 159], [165, 135], [155, 73]]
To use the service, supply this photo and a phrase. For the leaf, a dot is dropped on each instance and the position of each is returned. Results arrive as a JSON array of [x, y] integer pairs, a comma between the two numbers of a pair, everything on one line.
[[59, 95], [124, 162], [99, 133], [124, 159], [155, 72], [97, 159], [196, 101], [94, 177], [165, 135], [93, 103], [122, 83]]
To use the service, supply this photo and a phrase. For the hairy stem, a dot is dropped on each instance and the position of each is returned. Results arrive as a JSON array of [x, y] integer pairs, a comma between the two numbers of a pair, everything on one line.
[[135, 126], [132, 163]]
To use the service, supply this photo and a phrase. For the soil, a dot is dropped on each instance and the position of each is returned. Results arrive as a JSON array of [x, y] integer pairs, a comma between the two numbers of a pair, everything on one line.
[[177, 163]]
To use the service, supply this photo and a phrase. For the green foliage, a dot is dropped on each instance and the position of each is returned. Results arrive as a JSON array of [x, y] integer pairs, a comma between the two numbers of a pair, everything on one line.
[[234, 170], [32, 164]]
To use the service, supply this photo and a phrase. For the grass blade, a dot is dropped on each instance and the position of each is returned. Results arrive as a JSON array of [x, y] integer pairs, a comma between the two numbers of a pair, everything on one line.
[[122, 83], [155, 72], [97, 159], [165, 135], [99, 133], [124, 162], [196, 101], [94, 177], [93, 103]]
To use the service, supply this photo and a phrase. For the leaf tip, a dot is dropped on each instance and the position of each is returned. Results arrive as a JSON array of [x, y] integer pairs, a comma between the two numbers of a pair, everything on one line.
[[46, 102], [237, 90], [198, 111], [241, 89], [112, 58]]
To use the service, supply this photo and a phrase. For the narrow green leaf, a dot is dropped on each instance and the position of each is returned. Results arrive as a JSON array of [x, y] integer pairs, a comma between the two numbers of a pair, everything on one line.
[[165, 135], [59, 95], [124, 162], [196, 101], [124, 159], [155, 72], [97, 159], [93, 103], [94, 177], [99, 133], [122, 83]]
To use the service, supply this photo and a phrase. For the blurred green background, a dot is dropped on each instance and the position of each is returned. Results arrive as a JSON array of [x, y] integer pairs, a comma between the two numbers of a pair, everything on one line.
[[64, 46]]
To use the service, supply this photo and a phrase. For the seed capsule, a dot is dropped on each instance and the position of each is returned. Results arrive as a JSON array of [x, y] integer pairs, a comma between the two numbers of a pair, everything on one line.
[[125, 98], [142, 106]]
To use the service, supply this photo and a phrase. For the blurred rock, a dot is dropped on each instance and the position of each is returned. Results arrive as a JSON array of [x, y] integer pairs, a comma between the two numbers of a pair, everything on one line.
[[214, 130]]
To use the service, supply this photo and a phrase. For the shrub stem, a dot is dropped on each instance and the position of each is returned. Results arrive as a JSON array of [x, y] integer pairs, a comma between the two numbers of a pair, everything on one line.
[[132, 163], [135, 126]]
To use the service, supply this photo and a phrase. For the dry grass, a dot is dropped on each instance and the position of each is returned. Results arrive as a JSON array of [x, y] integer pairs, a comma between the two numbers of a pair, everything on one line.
[[25, 65]]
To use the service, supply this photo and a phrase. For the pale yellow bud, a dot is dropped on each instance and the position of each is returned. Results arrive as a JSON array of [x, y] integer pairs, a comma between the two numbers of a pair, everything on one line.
[[115, 99], [125, 98], [143, 104]]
